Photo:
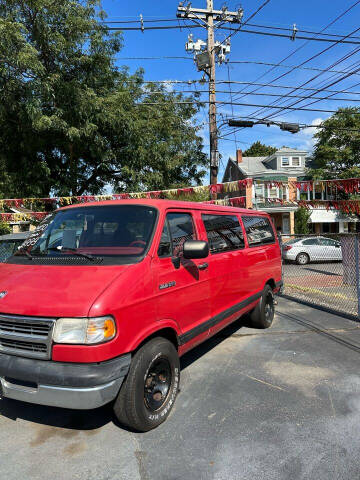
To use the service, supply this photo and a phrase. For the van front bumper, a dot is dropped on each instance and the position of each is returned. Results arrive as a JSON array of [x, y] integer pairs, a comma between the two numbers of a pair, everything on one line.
[[68, 385]]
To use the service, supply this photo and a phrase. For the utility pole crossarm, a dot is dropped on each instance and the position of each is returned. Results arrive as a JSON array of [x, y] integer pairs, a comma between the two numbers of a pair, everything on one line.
[[218, 15]]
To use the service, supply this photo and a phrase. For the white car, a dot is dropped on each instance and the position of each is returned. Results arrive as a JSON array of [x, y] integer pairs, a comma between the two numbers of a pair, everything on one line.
[[311, 249]]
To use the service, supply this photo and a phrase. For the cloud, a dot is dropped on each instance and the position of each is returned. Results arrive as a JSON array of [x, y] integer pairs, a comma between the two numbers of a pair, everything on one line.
[[306, 136]]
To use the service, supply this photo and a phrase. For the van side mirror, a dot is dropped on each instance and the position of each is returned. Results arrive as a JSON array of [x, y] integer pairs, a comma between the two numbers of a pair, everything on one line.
[[195, 249]]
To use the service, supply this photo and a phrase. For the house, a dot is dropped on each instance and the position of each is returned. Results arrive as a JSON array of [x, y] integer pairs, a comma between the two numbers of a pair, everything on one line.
[[274, 191]]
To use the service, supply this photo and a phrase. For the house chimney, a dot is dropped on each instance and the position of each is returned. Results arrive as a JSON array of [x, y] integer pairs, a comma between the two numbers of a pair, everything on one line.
[[239, 156]]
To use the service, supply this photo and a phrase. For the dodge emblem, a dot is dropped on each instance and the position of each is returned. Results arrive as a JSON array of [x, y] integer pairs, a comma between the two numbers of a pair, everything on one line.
[[3, 294]]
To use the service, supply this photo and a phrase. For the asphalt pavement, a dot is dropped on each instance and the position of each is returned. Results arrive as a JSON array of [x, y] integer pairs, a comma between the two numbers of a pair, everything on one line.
[[282, 403]]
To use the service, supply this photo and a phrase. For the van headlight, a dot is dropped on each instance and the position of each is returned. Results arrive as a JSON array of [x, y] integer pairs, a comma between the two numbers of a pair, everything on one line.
[[86, 331]]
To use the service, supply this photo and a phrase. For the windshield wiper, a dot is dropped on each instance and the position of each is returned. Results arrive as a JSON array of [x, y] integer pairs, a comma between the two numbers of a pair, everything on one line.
[[72, 250]]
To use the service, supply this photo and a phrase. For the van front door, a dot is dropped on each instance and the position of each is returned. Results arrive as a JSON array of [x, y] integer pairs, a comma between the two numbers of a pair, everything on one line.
[[182, 285]]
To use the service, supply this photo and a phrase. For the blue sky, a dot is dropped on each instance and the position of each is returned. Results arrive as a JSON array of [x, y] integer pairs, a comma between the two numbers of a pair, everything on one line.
[[308, 15]]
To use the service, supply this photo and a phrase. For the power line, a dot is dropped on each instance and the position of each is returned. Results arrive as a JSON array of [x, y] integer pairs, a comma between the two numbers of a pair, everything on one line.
[[285, 66], [231, 92], [237, 103], [244, 62], [319, 74], [319, 89], [269, 27], [246, 21], [301, 47], [231, 99], [234, 30], [235, 82]]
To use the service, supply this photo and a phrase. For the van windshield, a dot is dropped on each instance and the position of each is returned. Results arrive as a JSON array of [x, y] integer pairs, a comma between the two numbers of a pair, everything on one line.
[[111, 231]]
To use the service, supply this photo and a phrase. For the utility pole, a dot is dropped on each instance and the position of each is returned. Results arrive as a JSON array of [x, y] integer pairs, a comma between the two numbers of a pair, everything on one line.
[[214, 152], [206, 54]]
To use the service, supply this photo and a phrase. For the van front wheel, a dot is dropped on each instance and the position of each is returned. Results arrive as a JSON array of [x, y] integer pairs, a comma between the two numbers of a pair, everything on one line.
[[149, 391], [263, 314]]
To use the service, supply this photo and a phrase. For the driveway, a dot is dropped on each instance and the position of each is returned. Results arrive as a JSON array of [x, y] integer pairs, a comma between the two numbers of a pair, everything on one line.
[[283, 403]]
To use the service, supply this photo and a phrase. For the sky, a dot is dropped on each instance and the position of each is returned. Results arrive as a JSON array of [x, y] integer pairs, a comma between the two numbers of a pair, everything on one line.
[[308, 15]]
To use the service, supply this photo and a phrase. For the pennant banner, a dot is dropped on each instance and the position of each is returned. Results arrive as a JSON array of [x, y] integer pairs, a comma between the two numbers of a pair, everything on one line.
[[22, 217], [172, 193], [349, 207], [230, 202], [349, 185]]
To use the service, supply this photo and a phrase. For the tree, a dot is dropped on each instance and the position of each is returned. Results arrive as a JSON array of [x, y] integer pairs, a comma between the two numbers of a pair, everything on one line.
[[258, 149], [337, 148], [302, 216], [71, 122], [4, 228]]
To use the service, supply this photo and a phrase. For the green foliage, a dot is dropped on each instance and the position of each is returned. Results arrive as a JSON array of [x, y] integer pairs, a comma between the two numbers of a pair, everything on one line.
[[302, 216], [193, 197], [337, 148], [258, 149], [4, 228], [71, 122]]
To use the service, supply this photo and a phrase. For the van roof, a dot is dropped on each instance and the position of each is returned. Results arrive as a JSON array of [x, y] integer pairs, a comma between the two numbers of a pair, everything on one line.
[[163, 204]]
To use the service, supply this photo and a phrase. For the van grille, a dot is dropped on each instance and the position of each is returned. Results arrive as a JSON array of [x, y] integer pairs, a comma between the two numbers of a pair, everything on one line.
[[26, 336]]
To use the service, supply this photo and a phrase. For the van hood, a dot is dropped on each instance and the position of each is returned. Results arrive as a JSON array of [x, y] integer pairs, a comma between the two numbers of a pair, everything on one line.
[[48, 291]]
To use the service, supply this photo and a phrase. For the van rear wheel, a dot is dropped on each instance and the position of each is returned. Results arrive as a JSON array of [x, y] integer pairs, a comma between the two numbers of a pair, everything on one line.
[[262, 315], [149, 391]]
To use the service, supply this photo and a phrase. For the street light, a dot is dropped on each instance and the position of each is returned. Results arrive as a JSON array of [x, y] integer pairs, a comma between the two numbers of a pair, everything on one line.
[[287, 127], [290, 127]]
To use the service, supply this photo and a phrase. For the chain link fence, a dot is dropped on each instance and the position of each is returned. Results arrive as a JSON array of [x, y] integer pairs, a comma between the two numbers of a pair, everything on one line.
[[323, 271]]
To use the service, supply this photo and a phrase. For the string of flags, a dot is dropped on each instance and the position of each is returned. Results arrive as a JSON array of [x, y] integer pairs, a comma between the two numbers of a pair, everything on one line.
[[226, 187], [22, 217], [349, 185], [231, 202], [349, 207]]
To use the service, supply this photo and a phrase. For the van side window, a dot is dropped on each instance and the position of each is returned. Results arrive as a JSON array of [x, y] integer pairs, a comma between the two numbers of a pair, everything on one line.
[[224, 232], [258, 230], [181, 229], [164, 249]]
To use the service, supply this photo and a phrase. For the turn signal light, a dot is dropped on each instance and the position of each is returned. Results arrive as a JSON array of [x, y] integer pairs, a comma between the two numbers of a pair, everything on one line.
[[84, 331]]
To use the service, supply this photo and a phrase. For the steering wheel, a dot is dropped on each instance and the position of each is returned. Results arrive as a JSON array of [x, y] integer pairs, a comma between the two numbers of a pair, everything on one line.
[[141, 243]]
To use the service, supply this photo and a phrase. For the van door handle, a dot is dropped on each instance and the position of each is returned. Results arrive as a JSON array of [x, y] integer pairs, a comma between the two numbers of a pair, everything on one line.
[[203, 266]]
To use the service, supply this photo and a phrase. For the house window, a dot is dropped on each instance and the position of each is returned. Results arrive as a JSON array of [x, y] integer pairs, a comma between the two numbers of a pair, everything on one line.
[[259, 191], [284, 193], [291, 162], [273, 192]]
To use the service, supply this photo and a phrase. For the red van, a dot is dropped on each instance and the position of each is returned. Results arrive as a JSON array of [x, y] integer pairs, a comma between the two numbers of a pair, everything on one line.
[[102, 300]]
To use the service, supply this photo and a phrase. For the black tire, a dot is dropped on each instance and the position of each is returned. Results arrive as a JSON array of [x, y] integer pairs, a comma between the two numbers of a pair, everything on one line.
[[262, 315], [302, 258], [148, 393]]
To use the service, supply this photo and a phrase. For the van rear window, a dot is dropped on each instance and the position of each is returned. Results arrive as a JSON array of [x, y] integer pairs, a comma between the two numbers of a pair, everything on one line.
[[258, 230], [224, 232]]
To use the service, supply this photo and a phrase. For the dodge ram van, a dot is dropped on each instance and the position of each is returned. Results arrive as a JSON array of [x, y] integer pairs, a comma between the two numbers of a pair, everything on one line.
[[100, 302]]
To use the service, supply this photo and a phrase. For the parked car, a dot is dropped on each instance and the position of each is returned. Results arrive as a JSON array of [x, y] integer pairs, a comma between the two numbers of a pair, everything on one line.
[[9, 244], [108, 296], [311, 249]]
